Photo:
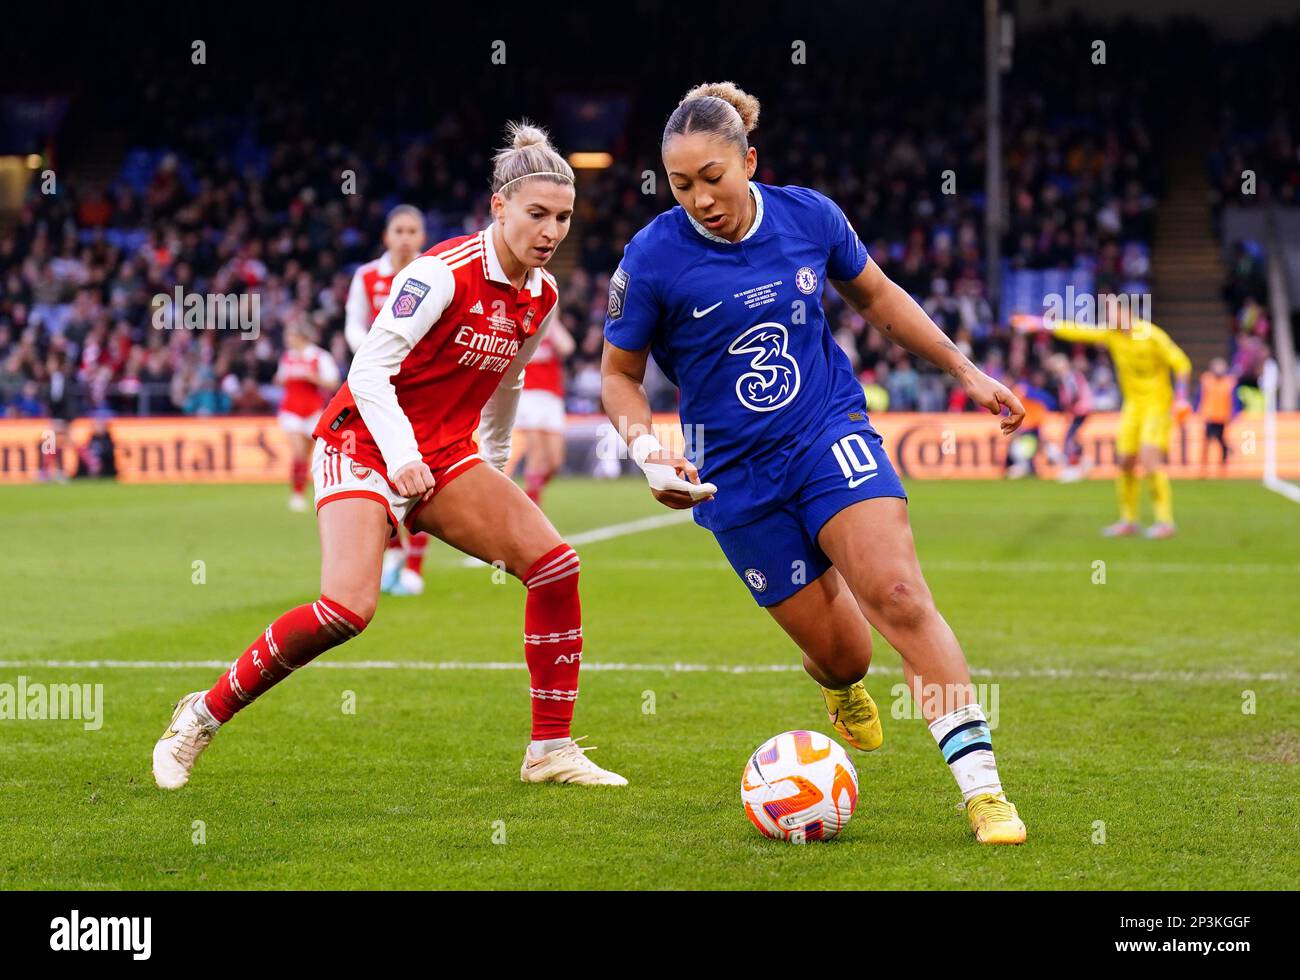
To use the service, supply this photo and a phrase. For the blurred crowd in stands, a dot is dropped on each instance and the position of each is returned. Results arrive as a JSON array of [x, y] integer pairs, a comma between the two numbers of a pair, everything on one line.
[[1246, 296], [253, 197], [1255, 162], [1257, 90]]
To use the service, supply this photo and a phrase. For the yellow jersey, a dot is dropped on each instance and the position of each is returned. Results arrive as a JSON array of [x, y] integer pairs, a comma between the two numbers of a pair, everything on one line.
[[1143, 357]]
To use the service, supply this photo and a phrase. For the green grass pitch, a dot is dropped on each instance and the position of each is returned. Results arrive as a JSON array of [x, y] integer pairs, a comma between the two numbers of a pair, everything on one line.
[[1121, 736]]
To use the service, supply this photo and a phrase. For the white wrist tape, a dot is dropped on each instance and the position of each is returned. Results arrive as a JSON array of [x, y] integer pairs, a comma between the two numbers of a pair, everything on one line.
[[661, 476], [642, 446]]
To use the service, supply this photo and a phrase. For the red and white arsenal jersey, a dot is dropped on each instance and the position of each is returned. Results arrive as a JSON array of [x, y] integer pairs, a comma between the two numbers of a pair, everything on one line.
[[366, 297], [465, 325], [303, 397], [545, 372]]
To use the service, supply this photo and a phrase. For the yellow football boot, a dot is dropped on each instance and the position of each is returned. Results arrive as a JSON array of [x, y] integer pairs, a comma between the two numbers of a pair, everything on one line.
[[994, 819], [853, 714]]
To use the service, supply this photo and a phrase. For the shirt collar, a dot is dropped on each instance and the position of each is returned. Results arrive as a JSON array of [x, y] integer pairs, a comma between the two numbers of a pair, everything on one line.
[[758, 219], [492, 266]]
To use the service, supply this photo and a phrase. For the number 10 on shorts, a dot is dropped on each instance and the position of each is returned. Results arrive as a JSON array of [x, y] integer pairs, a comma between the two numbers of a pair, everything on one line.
[[855, 459]]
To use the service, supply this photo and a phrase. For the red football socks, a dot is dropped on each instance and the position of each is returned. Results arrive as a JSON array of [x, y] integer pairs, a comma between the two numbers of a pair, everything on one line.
[[415, 551], [535, 482], [295, 639], [552, 646], [553, 640]]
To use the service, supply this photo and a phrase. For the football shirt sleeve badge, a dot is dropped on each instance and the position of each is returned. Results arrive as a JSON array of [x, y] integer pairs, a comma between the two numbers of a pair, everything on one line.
[[617, 292], [409, 298]]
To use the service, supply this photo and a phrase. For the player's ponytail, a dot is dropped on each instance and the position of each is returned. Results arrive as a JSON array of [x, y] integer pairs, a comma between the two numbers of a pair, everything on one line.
[[527, 153], [722, 108]]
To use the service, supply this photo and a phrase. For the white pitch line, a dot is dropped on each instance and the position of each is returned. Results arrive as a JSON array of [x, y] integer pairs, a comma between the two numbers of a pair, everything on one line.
[[1082, 566], [1048, 673], [1026, 567], [1288, 490], [1122, 564], [631, 527], [610, 531]]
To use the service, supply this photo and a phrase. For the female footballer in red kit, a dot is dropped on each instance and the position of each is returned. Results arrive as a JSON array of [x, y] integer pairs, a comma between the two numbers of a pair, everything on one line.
[[396, 446], [404, 240]]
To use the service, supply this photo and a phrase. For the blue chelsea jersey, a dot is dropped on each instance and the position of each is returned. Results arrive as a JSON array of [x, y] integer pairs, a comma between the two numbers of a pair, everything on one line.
[[739, 328]]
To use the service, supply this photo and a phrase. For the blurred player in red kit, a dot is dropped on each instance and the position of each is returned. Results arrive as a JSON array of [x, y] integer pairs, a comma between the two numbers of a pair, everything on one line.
[[404, 239], [1075, 395], [541, 411], [304, 371], [396, 446]]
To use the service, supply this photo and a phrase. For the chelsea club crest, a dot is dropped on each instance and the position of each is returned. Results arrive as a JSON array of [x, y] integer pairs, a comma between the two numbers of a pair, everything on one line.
[[806, 280]]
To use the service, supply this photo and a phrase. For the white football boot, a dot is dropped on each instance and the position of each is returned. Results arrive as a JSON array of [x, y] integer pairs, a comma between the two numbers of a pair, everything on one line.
[[567, 764], [394, 562], [188, 734], [408, 583]]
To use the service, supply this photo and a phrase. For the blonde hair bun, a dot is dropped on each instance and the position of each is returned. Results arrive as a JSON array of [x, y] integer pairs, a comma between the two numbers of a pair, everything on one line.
[[746, 105], [528, 153], [523, 133]]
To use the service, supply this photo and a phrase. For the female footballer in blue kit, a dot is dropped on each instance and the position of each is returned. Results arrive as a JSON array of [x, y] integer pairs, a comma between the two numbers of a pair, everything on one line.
[[725, 291]]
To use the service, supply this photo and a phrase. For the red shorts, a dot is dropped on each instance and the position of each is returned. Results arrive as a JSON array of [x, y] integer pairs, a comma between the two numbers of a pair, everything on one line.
[[338, 476]]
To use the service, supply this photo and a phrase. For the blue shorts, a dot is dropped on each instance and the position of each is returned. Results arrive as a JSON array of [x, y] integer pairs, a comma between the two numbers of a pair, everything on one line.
[[777, 555]]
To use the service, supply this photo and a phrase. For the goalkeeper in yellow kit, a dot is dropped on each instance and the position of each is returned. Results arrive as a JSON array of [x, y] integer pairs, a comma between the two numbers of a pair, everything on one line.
[[1144, 358]]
